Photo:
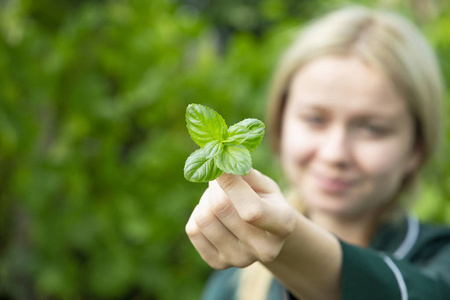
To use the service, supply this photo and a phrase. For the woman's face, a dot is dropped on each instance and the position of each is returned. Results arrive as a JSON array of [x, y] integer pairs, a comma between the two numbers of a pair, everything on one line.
[[347, 137]]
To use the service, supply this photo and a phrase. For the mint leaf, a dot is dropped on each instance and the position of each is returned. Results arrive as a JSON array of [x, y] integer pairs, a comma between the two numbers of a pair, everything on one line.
[[247, 133], [205, 125], [222, 149], [213, 149], [234, 159], [199, 168]]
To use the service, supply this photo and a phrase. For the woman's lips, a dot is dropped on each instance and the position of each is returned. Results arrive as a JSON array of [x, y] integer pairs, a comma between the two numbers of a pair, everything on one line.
[[333, 184]]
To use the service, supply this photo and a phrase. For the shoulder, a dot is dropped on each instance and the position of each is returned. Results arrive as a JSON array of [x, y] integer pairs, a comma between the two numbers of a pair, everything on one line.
[[426, 246], [434, 232], [410, 258], [432, 239], [410, 239], [432, 251]]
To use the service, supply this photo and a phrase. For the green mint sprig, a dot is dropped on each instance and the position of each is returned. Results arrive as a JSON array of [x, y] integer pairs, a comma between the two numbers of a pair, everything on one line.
[[222, 149]]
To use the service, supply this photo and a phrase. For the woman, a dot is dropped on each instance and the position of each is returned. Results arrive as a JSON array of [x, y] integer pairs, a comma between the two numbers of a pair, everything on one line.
[[354, 114]]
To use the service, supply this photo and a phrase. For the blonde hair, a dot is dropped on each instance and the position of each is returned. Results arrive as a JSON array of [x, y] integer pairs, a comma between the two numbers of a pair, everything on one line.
[[384, 40]]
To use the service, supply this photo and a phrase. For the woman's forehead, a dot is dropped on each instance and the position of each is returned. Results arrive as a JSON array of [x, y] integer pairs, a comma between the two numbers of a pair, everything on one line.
[[344, 82]]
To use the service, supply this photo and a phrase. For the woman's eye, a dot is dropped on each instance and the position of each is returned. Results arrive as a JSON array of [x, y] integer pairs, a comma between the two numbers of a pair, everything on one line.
[[374, 130], [314, 120]]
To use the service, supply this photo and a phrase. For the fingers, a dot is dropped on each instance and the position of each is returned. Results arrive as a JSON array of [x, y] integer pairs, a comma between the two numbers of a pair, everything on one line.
[[240, 220], [264, 245], [269, 212], [244, 198], [204, 247], [217, 245], [261, 183]]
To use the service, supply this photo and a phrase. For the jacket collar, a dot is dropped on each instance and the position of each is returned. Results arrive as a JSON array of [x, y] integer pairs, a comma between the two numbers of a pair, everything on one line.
[[397, 237]]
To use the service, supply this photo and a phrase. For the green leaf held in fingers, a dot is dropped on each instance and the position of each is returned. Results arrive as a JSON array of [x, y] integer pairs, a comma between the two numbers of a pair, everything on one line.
[[205, 125], [199, 168], [213, 149], [234, 159], [248, 133], [222, 149]]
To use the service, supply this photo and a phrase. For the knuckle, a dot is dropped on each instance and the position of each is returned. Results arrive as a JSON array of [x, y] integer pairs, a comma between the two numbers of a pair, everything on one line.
[[266, 250], [222, 207], [218, 263], [192, 230], [288, 226], [267, 255], [240, 259], [203, 219], [253, 213], [226, 182]]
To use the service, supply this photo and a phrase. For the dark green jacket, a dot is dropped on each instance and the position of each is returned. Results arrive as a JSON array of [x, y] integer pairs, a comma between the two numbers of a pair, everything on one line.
[[407, 260]]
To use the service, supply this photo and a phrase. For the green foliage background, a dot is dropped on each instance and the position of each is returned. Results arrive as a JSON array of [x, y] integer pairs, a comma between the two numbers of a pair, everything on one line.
[[93, 141]]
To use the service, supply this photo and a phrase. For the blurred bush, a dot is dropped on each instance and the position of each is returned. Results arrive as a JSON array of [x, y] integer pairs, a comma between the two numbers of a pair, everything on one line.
[[93, 201]]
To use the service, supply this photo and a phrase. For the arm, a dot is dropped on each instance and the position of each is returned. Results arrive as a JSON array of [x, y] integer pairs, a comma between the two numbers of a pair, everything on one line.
[[240, 220], [310, 262], [251, 222]]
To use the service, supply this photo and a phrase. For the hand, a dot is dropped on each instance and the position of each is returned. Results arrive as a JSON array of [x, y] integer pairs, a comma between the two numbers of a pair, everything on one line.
[[240, 220]]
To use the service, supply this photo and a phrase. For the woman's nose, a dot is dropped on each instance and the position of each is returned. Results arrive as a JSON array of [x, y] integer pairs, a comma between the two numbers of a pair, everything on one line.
[[335, 147]]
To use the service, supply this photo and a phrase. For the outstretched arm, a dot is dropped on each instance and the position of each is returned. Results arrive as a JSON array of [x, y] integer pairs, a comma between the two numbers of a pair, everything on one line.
[[243, 219]]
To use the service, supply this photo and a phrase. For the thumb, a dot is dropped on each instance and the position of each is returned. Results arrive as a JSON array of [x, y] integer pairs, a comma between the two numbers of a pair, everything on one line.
[[260, 183], [231, 183], [243, 193]]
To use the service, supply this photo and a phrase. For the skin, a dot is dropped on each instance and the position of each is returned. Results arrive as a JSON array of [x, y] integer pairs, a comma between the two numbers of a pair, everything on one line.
[[346, 144], [344, 169]]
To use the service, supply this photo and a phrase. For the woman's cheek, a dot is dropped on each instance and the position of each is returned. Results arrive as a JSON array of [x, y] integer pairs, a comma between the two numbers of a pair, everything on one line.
[[381, 159], [297, 147], [288, 152]]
